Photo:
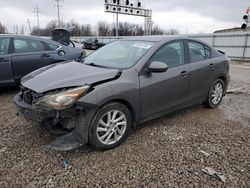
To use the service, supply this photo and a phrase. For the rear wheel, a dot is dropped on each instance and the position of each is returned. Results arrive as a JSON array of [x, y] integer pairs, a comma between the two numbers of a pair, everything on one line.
[[216, 94], [110, 126]]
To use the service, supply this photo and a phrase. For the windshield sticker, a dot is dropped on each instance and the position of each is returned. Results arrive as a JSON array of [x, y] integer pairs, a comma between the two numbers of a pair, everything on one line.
[[141, 45]]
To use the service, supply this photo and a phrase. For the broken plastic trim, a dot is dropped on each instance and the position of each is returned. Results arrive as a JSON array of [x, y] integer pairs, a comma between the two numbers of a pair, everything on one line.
[[76, 138]]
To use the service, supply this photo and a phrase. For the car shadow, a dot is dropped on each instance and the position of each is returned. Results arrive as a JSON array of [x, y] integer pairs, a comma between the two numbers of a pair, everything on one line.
[[9, 90]]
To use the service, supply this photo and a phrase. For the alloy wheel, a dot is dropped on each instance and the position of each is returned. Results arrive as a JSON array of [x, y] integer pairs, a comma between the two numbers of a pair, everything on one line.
[[217, 93], [111, 127]]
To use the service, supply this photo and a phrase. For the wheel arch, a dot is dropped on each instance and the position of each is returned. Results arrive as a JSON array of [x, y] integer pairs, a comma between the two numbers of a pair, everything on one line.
[[121, 101], [125, 103], [225, 81]]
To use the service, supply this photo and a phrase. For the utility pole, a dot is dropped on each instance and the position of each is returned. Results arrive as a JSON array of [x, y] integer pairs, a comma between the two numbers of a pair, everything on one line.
[[58, 5], [17, 31], [36, 10], [117, 25], [22, 30], [28, 21]]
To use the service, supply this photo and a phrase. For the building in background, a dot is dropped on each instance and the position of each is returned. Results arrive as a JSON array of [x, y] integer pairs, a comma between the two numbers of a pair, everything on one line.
[[232, 30]]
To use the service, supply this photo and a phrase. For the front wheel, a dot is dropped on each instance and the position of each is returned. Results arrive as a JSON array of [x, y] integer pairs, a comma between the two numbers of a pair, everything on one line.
[[110, 126], [215, 95]]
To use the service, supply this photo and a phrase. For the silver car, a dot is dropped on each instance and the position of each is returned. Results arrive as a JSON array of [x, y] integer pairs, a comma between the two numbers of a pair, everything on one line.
[[121, 85]]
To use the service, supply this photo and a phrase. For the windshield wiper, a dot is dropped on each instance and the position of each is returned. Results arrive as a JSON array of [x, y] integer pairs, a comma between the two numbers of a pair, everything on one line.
[[95, 65]]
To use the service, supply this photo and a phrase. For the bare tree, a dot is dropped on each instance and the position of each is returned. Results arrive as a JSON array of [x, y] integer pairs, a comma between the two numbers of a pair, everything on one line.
[[103, 29], [86, 30], [171, 32], [139, 30], [156, 30], [51, 25], [3, 29]]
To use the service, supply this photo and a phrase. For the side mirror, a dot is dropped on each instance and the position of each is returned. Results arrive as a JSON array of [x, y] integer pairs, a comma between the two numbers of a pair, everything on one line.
[[157, 66], [61, 53]]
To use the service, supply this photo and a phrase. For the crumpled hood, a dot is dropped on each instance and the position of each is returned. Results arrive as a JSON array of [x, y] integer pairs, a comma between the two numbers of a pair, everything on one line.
[[66, 74]]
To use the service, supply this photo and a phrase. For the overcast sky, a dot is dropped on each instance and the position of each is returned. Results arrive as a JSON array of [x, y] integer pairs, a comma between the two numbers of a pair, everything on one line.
[[188, 16]]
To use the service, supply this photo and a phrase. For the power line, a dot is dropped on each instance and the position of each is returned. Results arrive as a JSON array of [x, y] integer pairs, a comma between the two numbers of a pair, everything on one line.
[[37, 11], [58, 5]]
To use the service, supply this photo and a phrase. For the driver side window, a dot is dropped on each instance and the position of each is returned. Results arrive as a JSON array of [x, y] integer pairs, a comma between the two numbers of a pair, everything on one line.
[[4, 45], [172, 54]]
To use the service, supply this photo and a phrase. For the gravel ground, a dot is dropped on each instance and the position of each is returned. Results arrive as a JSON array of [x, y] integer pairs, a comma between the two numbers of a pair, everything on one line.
[[170, 151]]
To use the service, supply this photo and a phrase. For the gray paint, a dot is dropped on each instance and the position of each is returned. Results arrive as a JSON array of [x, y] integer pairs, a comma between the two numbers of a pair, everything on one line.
[[147, 95], [67, 74]]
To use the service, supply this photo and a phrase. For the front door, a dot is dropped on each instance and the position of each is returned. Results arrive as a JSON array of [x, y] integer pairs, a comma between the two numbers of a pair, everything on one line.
[[6, 74], [162, 92], [29, 55]]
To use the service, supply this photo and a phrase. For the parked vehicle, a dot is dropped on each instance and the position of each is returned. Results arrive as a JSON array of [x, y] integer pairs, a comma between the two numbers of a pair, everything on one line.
[[20, 55], [121, 85], [62, 35], [93, 44]]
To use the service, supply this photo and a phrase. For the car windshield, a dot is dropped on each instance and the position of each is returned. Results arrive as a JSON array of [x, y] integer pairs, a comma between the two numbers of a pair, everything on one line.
[[119, 54]]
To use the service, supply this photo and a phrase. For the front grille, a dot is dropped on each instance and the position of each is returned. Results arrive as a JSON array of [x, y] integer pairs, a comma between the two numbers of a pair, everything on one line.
[[29, 96]]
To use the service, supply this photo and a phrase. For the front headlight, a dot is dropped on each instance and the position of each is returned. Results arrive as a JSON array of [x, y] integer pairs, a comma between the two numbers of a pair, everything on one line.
[[61, 100]]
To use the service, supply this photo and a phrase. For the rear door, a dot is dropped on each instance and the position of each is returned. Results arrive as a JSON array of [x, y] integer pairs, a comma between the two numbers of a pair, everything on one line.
[[165, 91], [29, 55], [202, 70], [6, 74]]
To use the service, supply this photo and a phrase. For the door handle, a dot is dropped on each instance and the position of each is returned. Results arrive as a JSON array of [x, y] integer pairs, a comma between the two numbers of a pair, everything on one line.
[[184, 74], [211, 66], [45, 55], [4, 60]]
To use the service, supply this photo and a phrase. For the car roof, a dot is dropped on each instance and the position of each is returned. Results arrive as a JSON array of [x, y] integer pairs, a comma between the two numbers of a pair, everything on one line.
[[155, 38], [31, 37], [159, 38]]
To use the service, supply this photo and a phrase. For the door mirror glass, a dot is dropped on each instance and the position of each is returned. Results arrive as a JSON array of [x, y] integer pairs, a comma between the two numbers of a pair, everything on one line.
[[157, 66], [61, 53]]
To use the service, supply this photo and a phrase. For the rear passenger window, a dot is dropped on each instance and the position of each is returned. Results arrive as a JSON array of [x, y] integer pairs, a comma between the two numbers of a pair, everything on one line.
[[198, 52], [208, 52], [4, 45], [28, 45], [172, 54]]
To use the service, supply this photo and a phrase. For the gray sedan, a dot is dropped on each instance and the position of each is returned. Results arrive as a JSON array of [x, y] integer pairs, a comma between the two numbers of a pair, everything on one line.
[[20, 55], [121, 85]]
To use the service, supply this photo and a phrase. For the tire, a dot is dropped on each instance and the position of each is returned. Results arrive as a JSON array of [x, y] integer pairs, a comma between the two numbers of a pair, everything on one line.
[[110, 126], [216, 94]]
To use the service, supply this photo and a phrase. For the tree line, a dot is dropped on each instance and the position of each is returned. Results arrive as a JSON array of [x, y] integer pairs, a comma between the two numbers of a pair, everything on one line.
[[101, 29], [3, 29]]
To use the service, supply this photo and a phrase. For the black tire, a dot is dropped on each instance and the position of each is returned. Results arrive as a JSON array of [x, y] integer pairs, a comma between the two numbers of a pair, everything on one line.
[[209, 102], [94, 136]]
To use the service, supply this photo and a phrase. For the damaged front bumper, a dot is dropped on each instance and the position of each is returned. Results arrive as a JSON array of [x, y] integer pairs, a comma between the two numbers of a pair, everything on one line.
[[71, 123]]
